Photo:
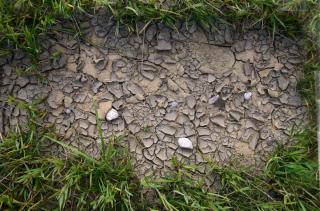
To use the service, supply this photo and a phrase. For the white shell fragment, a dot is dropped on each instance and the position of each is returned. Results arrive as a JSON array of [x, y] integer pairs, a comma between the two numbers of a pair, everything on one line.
[[112, 114], [185, 143], [247, 95]]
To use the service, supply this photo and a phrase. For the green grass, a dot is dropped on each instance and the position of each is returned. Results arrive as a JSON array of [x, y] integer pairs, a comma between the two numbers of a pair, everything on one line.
[[32, 179], [23, 21]]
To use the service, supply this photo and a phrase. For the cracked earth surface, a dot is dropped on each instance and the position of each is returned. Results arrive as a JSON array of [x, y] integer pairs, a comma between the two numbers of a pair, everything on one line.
[[231, 94]]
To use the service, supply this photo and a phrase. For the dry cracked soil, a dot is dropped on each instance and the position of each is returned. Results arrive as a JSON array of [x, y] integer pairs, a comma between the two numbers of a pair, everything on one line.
[[229, 94]]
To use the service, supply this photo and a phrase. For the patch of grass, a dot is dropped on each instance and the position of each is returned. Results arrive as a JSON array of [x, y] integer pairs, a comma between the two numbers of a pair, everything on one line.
[[287, 183], [33, 179], [22, 21]]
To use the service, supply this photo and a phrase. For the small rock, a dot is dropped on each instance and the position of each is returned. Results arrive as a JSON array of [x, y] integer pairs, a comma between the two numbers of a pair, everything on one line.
[[173, 104], [213, 99], [185, 143], [211, 78], [112, 114], [247, 95]]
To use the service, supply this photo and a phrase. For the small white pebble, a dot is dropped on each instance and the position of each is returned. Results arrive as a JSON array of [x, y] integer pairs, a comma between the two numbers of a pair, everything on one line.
[[112, 114], [185, 143], [247, 95]]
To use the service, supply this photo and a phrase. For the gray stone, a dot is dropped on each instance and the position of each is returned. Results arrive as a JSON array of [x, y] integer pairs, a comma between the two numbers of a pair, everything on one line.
[[173, 104], [213, 99], [211, 78]]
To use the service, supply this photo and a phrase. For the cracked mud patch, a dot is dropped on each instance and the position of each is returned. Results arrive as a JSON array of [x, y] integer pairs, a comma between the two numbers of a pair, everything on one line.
[[230, 94]]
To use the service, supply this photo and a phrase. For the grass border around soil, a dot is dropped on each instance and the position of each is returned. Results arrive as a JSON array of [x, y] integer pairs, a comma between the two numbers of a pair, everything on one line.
[[31, 179]]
